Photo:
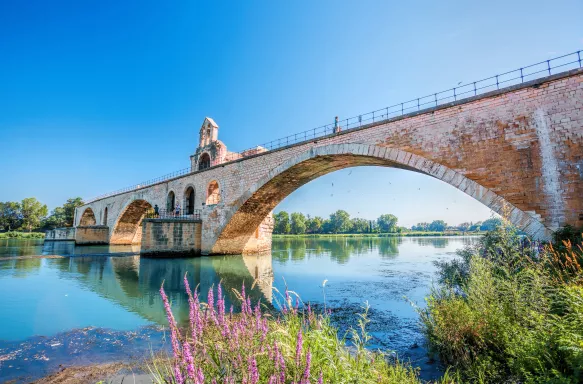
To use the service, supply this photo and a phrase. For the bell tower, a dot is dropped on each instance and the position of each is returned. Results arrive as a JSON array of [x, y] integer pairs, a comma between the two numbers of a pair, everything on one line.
[[209, 132]]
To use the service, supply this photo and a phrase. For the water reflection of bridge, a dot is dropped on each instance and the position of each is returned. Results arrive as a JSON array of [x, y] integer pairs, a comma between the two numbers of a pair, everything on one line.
[[133, 282]]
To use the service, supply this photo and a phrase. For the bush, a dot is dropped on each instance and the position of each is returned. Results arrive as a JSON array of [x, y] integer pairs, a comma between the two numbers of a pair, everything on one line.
[[509, 311], [22, 235], [296, 346]]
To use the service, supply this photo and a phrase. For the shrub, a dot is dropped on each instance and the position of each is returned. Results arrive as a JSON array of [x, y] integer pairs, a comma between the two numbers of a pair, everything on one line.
[[509, 311]]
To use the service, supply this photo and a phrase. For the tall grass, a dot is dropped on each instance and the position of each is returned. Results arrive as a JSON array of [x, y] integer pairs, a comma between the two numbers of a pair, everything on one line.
[[255, 346], [509, 311]]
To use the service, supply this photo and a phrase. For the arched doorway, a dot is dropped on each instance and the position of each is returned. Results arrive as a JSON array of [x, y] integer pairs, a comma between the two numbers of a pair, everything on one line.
[[104, 216], [213, 195], [127, 230], [170, 202], [189, 201], [88, 218], [204, 161]]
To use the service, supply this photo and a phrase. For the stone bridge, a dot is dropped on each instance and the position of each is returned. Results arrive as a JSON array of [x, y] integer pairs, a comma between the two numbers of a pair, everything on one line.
[[518, 150]]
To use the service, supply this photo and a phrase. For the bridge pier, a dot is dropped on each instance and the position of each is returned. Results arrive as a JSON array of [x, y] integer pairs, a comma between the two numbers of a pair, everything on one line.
[[92, 234], [171, 237]]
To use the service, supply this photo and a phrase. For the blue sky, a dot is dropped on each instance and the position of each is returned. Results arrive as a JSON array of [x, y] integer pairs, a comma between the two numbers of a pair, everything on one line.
[[98, 95]]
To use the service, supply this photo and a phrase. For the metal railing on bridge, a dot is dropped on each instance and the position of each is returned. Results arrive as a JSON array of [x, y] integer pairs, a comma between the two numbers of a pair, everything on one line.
[[518, 76], [173, 214]]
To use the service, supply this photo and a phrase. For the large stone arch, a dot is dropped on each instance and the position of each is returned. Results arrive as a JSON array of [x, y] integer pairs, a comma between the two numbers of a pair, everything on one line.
[[237, 226], [87, 218], [127, 228]]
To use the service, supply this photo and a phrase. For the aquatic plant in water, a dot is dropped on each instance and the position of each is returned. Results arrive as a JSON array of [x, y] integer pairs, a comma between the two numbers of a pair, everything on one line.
[[256, 346]]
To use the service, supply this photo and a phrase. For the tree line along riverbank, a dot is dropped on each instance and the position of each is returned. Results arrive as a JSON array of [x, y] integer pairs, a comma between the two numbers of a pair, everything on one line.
[[340, 222]]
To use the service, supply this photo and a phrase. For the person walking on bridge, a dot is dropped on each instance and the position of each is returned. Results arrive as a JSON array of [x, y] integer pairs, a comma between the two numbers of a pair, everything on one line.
[[337, 128]]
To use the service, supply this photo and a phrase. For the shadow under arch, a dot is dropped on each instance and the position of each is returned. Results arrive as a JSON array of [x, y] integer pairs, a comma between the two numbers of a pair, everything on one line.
[[87, 218], [257, 202], [127, 227]]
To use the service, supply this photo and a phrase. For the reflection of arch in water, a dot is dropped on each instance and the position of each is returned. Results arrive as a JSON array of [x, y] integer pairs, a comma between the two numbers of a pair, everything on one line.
[[134, 283]]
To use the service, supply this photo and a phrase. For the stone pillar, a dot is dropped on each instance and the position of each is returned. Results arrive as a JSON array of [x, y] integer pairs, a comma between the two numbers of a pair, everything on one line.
[[93, 234], [170, 237]]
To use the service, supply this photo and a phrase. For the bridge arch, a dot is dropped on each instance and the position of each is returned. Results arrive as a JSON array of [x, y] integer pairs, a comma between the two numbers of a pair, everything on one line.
[[87, 218], [127, 228], [248, 212]]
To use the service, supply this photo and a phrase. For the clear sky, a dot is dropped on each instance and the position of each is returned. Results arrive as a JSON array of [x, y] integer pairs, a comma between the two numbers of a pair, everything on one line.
[[98, 95]]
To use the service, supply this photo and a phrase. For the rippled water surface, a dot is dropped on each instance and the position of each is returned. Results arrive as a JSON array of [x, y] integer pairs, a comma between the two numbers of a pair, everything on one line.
[[101, 303]]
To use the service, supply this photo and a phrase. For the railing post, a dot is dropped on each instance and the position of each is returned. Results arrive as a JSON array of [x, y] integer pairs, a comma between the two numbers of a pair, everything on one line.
[[454, 95], [549, 66], [497, 84], [435, 95], [387, 113], [402, 113], [418, 107], [373, 116], [521, 76], [579, 57], [475, 90]]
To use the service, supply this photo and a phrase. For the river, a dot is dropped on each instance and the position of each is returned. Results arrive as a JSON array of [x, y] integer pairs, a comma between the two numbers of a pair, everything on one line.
[[101, 303]]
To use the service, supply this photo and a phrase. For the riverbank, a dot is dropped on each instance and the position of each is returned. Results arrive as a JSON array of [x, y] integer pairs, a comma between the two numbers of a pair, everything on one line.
[[402, 234], [22, 235]]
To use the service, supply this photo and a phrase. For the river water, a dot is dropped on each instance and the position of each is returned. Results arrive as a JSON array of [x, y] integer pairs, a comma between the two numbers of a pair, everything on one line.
[[101, 303]]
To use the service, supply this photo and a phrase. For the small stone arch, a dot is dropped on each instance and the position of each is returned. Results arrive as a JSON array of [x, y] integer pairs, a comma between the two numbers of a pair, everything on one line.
[[213, 193], [247, 212], [104, 220], [204, 161], [189, 200], [127, 229], [170, 201], [87, 218]]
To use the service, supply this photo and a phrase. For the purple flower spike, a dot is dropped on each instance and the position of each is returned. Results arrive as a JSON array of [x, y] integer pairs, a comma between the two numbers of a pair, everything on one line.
[[307, 370], [188, 361], [254, 372], [321, 378], [299, 348]]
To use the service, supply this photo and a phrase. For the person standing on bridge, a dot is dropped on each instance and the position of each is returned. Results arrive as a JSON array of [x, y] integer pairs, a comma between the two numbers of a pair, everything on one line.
[[156, 210], [177, 212], [337, 128]]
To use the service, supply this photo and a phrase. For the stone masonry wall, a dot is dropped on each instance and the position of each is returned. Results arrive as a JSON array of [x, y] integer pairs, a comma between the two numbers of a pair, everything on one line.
[[95, 234], [170, 237], [60, 234], [521, 146]]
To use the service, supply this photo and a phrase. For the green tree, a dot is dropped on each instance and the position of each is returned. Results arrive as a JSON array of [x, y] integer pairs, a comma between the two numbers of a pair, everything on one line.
[[10, 215], [490, 224], [314, 225], [387, 223], [340, 221], [358, 225], [69, 210], [281, 225], [298, 223], [56, 219], [475, 226], [438, 226], [422, 227], [464, 227], [32, 212]]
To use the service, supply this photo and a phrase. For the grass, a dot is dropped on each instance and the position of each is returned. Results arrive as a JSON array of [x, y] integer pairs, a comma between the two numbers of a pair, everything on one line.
[[296, 345], [22, 235], [509, 311]]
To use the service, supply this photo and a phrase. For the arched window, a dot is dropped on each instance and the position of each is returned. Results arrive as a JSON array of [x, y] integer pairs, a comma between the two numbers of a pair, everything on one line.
[[171, 202], [204, 161], [213, 195], [105, 216], [189, 201]]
